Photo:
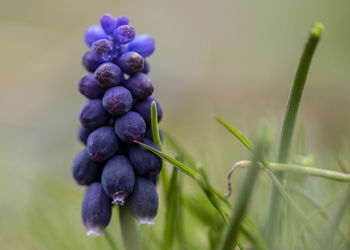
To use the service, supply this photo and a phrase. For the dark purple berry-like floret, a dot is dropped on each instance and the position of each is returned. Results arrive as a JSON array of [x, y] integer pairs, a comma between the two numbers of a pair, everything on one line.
[[122, 20], [84, 133], [93, 114], [96, 209], [140, 85], [84, 170], [102, 144], [108, 75], [103, 50], [143, 44], [118, 179], [143, 107], [144, 161], [130, 127], [90, 88], [131, 63], [94, 33], [117, 100], [143, 202], [89, 62], [108, 23], [124, 34]]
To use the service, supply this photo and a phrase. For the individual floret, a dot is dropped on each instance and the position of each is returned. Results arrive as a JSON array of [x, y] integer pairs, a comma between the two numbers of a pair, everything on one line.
[[108, 23], [130, 127], [102, 144], [144, 161], [124, 34], [89, 62], [93, 114], [143, 44], [143, 202], [117, 100], [96, 210], [118, 179], [103, 50], [84, 170], [90, 88], [131, 63], [108, 75], [140, 86], [94, 33]]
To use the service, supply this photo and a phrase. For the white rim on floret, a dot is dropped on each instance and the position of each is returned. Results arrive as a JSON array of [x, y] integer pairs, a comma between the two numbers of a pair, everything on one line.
[[145, 221], [119, 198], [94, 232]]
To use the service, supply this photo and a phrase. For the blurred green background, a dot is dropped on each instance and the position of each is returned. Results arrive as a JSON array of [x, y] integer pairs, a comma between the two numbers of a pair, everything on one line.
[[235, 59]]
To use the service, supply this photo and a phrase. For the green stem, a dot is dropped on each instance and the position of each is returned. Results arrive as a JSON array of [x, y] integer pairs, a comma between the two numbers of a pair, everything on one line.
[[291, 168], [110, 241], [129, 231]]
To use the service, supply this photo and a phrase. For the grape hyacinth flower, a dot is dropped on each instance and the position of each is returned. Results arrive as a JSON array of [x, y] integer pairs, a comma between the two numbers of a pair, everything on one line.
[[115, 169]]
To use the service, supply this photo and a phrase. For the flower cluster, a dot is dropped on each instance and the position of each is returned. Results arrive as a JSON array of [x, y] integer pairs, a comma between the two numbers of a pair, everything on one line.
[[117, 113]]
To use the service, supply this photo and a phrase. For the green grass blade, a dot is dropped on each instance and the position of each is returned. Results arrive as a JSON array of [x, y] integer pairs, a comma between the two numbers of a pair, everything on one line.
[[273, 177], [289, 123], [236, 133], [171, 211], [157, 141], [186, 170], [297, 92], [231, 232], [330, 231]]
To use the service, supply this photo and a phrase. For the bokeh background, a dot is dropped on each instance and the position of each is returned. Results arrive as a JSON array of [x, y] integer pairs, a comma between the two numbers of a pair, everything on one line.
[[231, 58]]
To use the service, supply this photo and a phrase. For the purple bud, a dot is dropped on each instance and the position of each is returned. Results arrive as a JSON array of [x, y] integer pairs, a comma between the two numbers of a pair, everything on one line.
[[84, 170], [90, 88], [108, 75], [142, 44], [93, 114], [124, 34], [102, 144], [143, 202], [117, 100], [96, 210], [118, 179], [103, 51], [94, 33], [131, 63], [143, 107], [144, 161], [140, 85], [108, 23], [122, 20], [89, 62], [130, 127]]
